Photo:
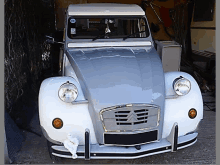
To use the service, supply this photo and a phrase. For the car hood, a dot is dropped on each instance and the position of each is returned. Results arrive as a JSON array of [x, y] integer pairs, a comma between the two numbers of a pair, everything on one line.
[[117, 76]]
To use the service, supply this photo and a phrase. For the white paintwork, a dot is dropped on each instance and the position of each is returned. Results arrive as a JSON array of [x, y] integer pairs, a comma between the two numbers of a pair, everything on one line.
[[113, 44], [68, 69], [176, 110], [104, 9], [76, 117]]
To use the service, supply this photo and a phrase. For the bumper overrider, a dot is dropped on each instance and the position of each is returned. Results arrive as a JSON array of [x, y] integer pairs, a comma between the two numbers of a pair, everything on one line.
[[95, 151]]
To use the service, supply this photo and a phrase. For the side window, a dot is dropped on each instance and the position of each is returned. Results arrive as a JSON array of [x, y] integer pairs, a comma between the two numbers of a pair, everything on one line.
[[142, 27]]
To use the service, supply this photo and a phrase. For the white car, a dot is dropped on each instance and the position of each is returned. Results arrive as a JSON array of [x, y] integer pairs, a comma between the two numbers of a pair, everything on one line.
[[114, 100]]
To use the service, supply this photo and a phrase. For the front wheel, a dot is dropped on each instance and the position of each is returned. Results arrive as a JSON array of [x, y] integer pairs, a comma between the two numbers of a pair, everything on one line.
[[54, 158]]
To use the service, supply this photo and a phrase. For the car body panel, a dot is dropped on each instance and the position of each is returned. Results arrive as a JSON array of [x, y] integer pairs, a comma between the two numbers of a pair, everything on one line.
[[105, 9], [127, 75]]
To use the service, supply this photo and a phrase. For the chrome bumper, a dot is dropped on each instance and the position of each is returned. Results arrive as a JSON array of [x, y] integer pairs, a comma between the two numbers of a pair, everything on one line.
[[119, 152]]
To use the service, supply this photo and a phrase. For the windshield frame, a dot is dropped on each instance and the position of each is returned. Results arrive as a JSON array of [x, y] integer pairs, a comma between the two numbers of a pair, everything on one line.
[[147, 29]]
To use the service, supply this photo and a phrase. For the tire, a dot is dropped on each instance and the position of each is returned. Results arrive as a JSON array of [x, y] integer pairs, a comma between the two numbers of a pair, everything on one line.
[[54, 158]]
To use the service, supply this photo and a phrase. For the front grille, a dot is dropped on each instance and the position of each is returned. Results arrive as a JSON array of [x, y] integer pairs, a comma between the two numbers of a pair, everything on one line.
[[130, 118]]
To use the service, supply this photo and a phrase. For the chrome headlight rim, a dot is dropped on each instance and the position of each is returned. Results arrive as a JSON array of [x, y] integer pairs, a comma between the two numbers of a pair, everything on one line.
[[73, 88], [177, 81]]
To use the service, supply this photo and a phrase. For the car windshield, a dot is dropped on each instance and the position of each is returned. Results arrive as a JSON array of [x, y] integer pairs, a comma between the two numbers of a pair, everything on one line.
[[107, 27]]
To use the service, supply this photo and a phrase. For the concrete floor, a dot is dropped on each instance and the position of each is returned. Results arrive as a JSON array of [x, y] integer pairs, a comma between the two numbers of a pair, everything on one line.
[[34, 148]]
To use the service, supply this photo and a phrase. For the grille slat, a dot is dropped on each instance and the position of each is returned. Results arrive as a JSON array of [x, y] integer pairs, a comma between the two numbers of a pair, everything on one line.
[[122, 112], [121, 119], [121, 115], [142, 114], [131, 122], [124, 123], [145, 119], [140, 111], [142, 118], [140, 122], [133, 117]]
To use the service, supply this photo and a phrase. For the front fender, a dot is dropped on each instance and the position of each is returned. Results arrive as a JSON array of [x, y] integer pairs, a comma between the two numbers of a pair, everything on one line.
[[75, 117], [176, 108]]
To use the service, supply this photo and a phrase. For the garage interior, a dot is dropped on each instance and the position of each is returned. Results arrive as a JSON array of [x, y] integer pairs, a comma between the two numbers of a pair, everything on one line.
[[29, 59]]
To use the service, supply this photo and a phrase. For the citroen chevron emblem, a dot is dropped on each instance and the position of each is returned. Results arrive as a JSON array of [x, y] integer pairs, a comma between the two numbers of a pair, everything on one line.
[[132, 117]]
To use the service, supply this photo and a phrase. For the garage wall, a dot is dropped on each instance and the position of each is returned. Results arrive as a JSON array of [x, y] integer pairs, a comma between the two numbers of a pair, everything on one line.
[[204, 39], [160, 35], [61, 6]]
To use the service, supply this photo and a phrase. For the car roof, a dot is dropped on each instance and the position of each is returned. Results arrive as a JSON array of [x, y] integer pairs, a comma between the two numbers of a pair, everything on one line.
[[104, 9]]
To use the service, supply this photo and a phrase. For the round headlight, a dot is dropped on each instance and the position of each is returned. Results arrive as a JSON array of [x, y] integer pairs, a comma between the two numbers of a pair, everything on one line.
[[181, 86], [68, 92]]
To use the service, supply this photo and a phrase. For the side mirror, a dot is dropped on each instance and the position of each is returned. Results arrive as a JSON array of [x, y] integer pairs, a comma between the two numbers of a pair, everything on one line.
[[50, 40]]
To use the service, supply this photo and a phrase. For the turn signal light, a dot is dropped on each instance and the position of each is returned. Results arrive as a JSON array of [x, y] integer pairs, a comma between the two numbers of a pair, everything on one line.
[[192, 113], [57, 123]]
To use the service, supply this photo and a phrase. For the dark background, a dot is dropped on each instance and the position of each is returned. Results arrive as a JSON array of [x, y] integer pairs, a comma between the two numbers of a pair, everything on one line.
[[28, 58], [204, 10]]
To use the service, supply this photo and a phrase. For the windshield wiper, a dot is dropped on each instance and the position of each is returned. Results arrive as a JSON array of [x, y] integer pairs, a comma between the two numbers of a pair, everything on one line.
[[99, 36], [133, 34]]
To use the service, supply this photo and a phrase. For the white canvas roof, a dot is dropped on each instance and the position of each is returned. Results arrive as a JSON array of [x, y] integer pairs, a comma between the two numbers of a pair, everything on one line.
[[105, 9]]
